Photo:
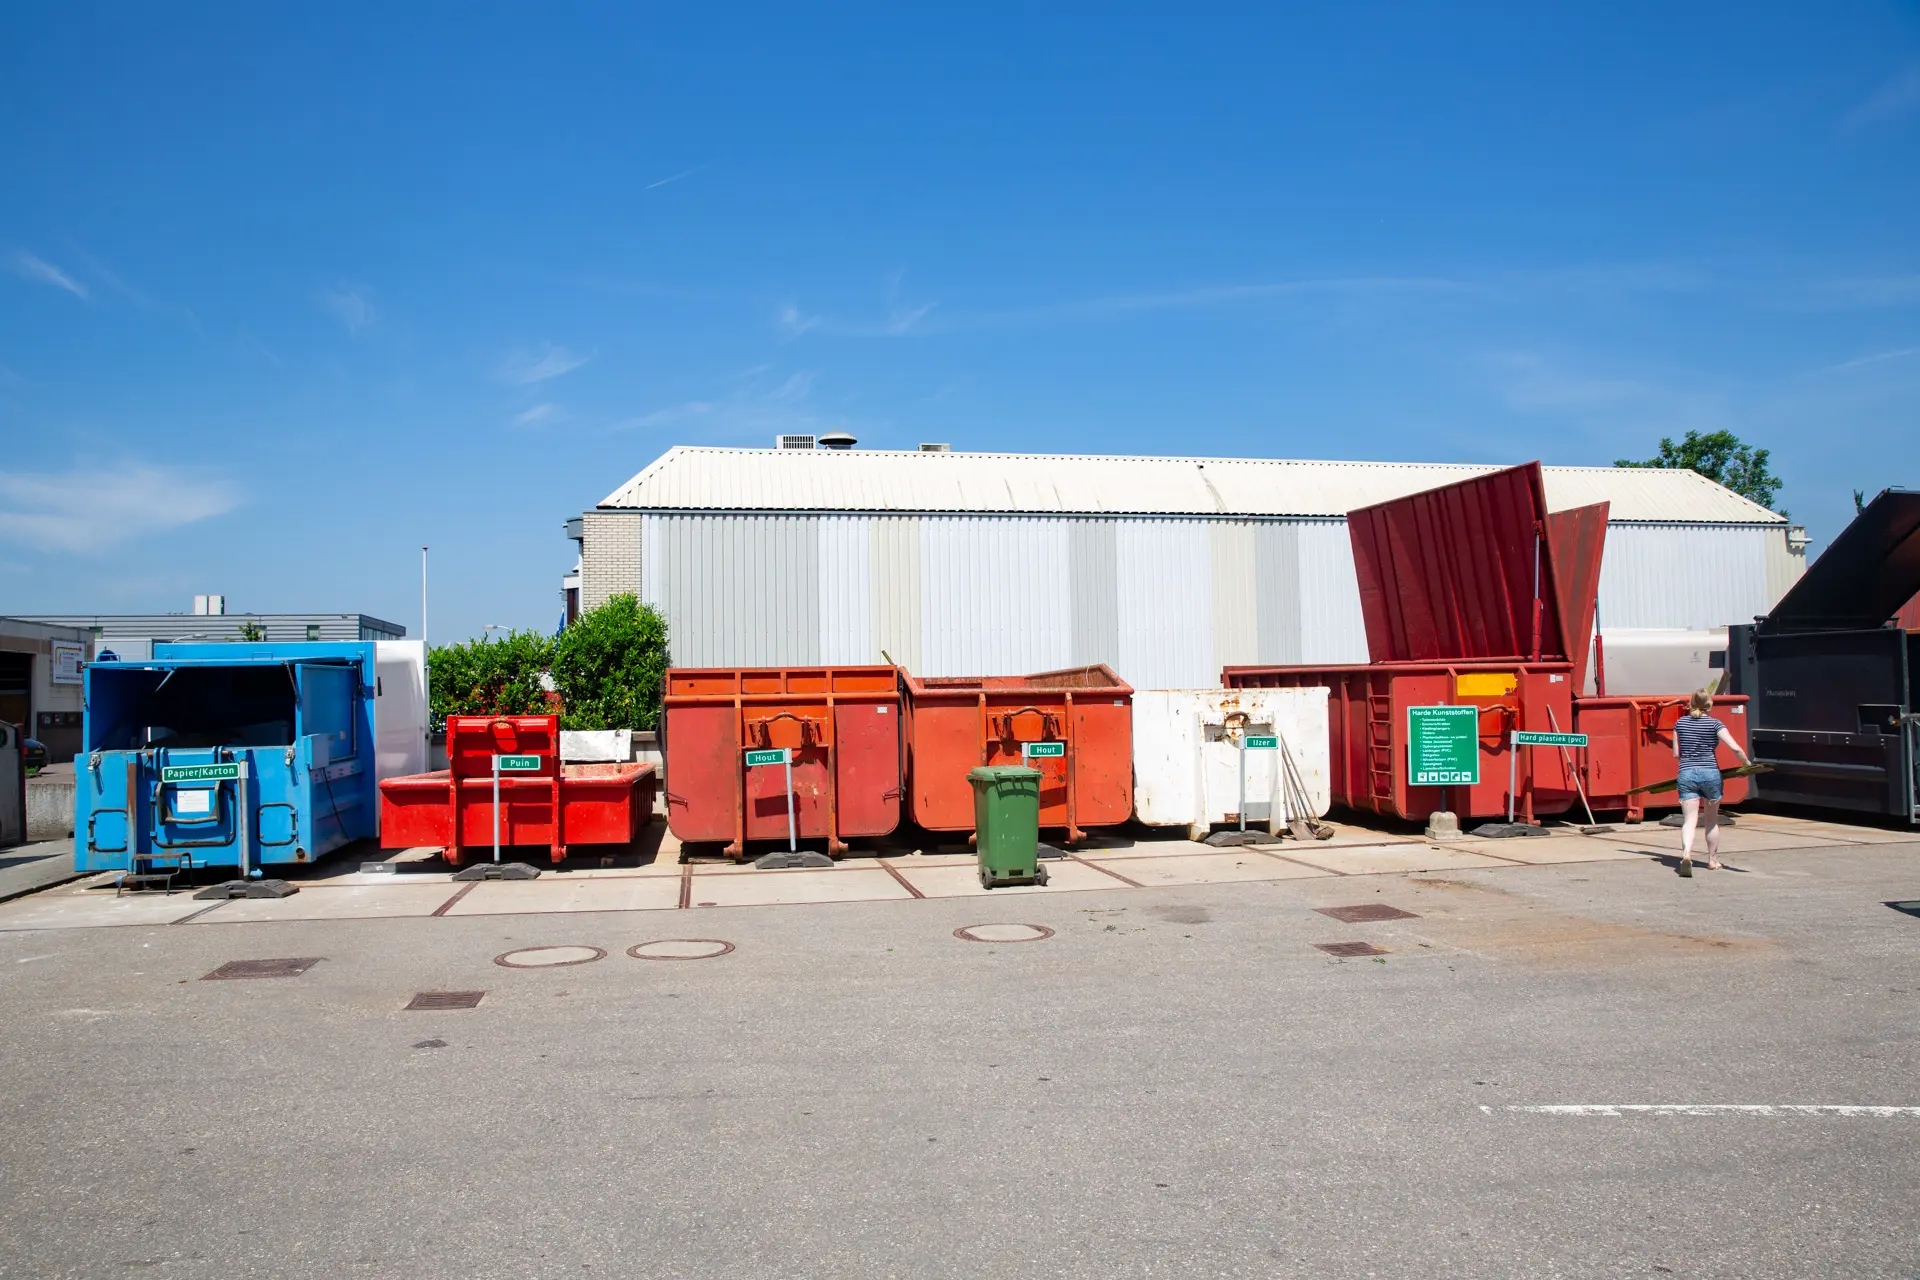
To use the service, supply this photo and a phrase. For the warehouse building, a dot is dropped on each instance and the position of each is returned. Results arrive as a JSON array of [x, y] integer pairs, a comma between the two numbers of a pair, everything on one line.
[[1166, 569], [131, 636]]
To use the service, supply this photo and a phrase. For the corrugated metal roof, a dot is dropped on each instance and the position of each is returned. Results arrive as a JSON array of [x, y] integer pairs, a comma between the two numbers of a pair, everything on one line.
[[705, 478]]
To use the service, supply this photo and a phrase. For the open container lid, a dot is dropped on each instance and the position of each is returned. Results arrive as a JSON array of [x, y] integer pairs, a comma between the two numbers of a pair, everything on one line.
[[1447, 574], [1864, 575]]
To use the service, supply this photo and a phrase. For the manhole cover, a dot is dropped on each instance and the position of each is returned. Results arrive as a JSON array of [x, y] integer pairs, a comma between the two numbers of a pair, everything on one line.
[[680, 949], [446, 1000], [1003, 933], [292, 967], [549, 957], [1366, 911], [1349, 949]]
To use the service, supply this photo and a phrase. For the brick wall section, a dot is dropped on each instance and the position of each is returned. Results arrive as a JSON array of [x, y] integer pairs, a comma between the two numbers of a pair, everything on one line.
[[609, 555]]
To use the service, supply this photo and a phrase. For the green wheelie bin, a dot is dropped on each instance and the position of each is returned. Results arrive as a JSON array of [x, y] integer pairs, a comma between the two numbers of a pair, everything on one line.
[[1006, 820]]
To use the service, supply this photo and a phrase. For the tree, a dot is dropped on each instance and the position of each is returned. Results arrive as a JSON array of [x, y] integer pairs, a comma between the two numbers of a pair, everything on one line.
[[1721, 457], [610, 666], [489, 677], [252, 631]]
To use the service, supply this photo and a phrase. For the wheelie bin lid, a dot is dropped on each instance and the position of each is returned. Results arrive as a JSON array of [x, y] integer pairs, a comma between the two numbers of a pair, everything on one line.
[[1002, 773]]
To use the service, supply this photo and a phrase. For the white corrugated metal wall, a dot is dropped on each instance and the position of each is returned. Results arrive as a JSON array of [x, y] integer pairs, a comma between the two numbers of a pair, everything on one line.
[[1166, 602]]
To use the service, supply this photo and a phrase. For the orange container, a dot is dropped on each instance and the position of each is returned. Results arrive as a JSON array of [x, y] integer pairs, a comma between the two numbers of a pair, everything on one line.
[[1630, 744], [841, 723], [958, 723], [553, 805]]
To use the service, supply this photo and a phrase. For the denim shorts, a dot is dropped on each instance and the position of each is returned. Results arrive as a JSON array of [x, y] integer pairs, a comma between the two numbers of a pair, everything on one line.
[[1700, 782]]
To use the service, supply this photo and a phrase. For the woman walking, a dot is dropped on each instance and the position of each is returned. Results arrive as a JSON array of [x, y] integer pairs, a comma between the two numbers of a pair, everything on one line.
[[1695, 737]]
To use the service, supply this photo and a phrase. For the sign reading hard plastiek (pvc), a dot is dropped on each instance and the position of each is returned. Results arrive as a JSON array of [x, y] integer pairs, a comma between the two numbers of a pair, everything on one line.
[[517, 764], [1443, 746], [773, 755], [1042, 750], [199, 772], [1529, 738], [1263, 742]]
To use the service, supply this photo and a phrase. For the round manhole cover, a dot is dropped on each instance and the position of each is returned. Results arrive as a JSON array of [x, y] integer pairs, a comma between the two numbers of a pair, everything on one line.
[[549, 957], [1003, 933], [680, 949]]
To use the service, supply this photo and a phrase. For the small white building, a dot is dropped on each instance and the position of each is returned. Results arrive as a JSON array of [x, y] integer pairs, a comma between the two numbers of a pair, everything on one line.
[[1166, 569]]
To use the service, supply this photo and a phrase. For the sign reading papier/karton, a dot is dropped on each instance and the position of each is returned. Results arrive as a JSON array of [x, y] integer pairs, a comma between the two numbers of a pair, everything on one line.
[[774, 755], [1443, 746], [199, 772], [1042, 750]]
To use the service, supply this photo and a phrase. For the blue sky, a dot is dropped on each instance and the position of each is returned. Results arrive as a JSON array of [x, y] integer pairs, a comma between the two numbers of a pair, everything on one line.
[[286, 294]]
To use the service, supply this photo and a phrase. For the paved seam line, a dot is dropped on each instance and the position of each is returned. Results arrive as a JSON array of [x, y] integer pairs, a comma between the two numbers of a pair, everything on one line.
[[1108, 870], [447, 906], [1478, 852], [195, 915], [686, 885], [1325, 871], [904, 882]]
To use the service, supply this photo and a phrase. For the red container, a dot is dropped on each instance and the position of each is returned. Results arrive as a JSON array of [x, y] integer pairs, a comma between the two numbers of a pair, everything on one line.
[[1367, 732], [957, 723], [553, 805], [1631, 745], [841, 723]]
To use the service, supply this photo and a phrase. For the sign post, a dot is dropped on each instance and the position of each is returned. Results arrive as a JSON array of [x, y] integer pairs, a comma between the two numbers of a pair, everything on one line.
[[1252, 742], [507, 764], [780, 756], [1531, 738]]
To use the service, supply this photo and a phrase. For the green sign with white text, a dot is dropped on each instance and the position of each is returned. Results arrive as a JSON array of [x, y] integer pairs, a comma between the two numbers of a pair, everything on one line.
[[199, 772], [1042, 750], [1263, 742], [1528, 738], [776, 755], [517, 764], [1443, 746]]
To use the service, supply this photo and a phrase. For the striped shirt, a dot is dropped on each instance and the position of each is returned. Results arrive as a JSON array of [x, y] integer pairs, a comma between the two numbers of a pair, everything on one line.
[[1696, 737]]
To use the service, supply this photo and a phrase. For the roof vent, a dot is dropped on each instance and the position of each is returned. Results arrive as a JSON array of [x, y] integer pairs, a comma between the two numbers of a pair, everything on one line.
[[837, 440], [793, 442], [936, 448]]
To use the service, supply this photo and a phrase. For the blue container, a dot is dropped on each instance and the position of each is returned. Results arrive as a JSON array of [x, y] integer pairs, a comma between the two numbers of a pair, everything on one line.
[[299, 716]]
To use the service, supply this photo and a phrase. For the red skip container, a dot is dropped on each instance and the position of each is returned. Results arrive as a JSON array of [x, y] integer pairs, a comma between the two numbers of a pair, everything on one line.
[[553, 805], [957, 723], [842, 725]]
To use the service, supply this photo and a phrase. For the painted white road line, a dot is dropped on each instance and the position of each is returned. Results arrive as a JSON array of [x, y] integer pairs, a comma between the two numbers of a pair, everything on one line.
[[1711, 1109]]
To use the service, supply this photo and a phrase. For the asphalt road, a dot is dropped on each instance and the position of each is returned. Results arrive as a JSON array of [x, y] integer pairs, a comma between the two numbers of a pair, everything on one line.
[[1177, 1083]]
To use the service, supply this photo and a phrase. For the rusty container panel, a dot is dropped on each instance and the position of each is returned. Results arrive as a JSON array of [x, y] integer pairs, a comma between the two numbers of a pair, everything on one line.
[[1367, 732], [959, 723], [843, 725], [1631, 745], [1576, 543]]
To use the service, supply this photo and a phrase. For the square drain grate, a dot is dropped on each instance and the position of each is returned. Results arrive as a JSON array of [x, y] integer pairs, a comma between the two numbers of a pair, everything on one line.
[[446, 1000], [1350, 949], [1365, 912], [291, 967]]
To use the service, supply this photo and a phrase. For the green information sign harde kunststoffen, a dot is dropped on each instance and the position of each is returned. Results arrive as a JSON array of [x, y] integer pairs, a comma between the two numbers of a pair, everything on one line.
[[1263, 742], [1530, 738], [199, 772], [517, 764], [775, 755], [1443, 746], [1042, 750]]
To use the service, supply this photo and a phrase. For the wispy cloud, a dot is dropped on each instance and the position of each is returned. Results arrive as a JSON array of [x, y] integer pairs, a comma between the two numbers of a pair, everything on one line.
[[756, 404], [699, 168], [351, 305], [1891, 290], [537, 414], [40, 270], [524, 368], [1537, 385], [1878, 357], [1895, 98], [792, 322], [89, 510]]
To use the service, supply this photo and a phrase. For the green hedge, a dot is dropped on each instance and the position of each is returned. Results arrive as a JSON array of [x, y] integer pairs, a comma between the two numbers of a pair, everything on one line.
[[608, 667]]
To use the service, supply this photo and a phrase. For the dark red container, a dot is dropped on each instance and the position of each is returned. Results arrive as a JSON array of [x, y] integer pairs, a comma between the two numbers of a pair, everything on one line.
[[841, 723], [554, 805], [1632, 746]]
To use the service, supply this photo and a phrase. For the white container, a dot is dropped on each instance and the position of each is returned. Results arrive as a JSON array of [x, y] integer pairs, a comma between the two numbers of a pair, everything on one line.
[[596, 746], [399, 707], [1187, 757], [1650, 660]]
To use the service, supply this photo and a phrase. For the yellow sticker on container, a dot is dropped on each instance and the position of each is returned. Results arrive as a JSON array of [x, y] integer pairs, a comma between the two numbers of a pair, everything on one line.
[[1484, 684]]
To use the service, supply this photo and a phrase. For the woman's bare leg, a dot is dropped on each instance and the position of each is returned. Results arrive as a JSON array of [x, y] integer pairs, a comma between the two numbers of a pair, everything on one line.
[[1711, 817], [1689, 820]]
